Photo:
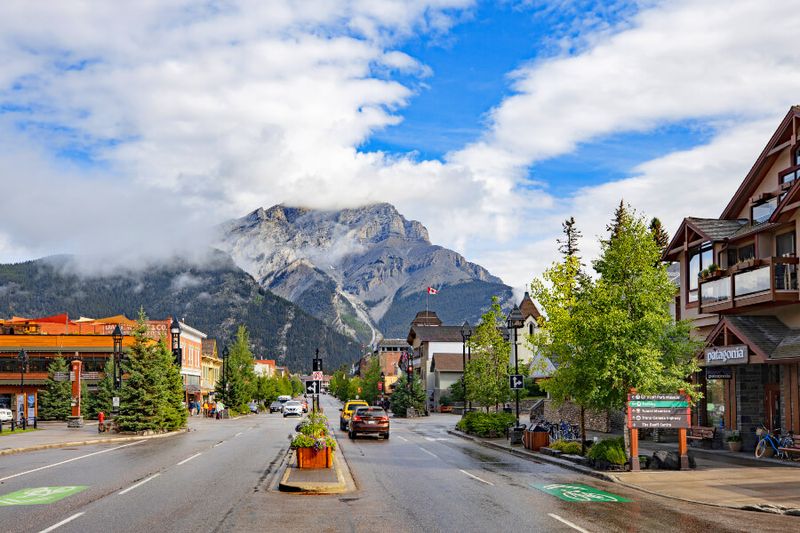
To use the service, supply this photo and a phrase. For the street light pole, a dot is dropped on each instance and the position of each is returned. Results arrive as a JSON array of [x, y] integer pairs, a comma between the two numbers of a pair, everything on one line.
[[516, 321], [23, 363], [117, 357], [466, 333]]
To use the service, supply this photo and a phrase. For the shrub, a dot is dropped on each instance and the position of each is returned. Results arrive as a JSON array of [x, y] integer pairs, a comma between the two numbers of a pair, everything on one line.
[[611, 450], [486, 424], [566, 446]]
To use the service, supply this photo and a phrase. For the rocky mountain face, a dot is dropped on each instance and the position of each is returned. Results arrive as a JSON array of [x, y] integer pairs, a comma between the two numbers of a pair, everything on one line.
[[215, 297], [365, 271]]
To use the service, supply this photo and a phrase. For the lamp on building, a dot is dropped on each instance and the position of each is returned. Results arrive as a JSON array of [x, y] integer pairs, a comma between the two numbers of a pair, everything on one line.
[[466, 333], [515, 321], [175, 331], [117, 357]]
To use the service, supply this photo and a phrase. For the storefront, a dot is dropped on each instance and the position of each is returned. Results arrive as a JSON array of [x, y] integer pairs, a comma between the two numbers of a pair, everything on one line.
[[750, 376]]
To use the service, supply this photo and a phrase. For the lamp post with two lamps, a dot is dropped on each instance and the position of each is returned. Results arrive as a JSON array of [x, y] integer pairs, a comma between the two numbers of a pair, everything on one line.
[[515, 321], [22, 359], [466, 333]]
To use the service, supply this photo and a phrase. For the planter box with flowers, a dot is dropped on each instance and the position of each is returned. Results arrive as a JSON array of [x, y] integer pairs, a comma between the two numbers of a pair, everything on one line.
[[313, 444]]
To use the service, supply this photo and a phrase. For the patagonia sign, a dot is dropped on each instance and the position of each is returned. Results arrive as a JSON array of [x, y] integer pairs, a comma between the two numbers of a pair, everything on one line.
[[727, 355]]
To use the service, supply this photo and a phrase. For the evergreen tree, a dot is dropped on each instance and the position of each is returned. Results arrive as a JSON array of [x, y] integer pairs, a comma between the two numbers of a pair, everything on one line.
[[102, 398], [487, 370], [55, 400], [241, 378], [152, 396], [660, 235], [622, 217], [402, 398], [568, 246]]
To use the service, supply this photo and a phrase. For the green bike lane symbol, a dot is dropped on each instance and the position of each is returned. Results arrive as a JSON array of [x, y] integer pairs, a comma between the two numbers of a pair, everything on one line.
[[575, 492], [39, 495]]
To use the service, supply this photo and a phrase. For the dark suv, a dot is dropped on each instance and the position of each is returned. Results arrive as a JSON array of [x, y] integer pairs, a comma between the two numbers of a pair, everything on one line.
[[373, 420]]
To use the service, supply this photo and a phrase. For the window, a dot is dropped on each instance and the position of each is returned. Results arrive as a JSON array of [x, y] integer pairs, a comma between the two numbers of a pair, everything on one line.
[[699, 259], [763, 210], [797, 157], [530, 328], [785, 245]]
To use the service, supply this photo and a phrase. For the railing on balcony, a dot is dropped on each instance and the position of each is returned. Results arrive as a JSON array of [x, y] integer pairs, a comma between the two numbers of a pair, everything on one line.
[[767, 280]]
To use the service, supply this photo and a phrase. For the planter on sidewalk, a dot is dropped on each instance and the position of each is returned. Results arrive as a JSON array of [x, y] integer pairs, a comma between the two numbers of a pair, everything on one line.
[[313, 458]]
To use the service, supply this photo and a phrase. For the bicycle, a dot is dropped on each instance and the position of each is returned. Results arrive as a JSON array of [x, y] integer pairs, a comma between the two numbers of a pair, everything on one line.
[[766, 438]]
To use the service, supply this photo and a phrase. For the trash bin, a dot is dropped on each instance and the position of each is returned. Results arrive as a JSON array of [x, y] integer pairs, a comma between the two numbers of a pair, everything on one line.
[[516, 434], [536, 438]]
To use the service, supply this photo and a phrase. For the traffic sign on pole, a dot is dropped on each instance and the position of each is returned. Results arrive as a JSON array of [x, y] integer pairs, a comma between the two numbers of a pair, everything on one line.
[[312, 387], [316, 375], [516, 381]]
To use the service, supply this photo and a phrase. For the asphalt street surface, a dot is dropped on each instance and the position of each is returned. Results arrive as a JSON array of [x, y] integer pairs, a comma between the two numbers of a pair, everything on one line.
[[220, 478]]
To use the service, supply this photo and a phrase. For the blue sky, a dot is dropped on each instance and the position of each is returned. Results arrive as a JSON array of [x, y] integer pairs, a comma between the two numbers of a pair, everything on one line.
[[489, 122]]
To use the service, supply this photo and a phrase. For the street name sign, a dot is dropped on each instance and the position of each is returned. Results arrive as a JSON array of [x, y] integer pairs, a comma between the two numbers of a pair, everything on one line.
[[312, 387], [39, 495], [516, 381], [576, 492]]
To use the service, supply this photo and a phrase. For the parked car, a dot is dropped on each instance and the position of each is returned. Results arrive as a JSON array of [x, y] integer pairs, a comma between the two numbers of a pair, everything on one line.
[[276, 407], [253, 407], [371, 420], [6, 415], [347, 412], [292, 408], [284, 398]]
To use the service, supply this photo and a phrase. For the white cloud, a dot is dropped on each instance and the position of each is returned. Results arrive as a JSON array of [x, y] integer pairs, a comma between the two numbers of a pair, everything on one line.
[[198, 114]]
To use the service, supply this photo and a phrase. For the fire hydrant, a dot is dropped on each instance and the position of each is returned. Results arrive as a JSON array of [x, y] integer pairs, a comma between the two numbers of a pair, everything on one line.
[[101, 417]]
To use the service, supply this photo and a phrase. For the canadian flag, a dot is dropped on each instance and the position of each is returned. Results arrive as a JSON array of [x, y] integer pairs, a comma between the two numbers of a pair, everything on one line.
[[431, 290]]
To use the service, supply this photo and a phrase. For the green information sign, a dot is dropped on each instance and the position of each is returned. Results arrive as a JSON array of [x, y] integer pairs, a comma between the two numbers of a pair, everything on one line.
[[575, 492], [658, 403], [39, 495]]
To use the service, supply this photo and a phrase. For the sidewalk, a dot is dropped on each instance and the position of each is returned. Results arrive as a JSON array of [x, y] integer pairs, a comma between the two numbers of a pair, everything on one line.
[[722, 478], [57, 435]]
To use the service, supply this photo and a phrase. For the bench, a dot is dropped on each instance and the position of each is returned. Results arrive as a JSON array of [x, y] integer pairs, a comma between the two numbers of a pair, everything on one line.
[[795, 447], [701, 433]]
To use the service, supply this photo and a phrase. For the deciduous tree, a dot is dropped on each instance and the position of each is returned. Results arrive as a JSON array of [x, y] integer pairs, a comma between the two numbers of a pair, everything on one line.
[[487, 370]]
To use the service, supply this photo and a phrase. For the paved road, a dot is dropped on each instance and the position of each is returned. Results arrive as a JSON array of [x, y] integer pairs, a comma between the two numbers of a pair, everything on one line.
[[422, 479]]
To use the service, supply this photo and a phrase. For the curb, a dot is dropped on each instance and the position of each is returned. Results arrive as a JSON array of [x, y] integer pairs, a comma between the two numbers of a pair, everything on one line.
[[538, 458], [106, 440], [610, 477], [313, 488]]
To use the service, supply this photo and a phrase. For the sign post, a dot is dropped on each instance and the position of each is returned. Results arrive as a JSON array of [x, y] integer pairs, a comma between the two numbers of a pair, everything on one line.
[[516, 381], [317, 375], [658, 411]]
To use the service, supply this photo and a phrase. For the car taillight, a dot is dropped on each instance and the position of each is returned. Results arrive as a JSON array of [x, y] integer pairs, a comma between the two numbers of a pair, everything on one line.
[[356, 418], [384, 419]]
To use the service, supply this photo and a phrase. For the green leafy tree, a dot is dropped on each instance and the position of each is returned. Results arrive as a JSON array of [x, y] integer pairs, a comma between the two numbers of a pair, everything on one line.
[[297, 386], [616, 333], [151, 398], [487, 370], [266, 389], [340, 384], [355, 388], [239, 386], [284, 386], [370, 381], [55, 400], [403, 398], [456, 392]]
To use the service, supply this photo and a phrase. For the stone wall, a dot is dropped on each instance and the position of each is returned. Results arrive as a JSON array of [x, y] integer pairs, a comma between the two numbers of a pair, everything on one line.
[[602, 421]]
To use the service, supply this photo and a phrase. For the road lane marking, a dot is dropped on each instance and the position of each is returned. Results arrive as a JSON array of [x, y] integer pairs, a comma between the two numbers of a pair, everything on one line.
[[39, 495], [220, 443], [402, 438], [238, 434], [142, 482], [189, 459], [68, 461], [65, 521], [476, 477], [429, 453], [567, 522]]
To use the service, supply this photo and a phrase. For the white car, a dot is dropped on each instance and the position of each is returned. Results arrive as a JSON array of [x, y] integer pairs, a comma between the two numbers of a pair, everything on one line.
[[292, 408], [6, 415]]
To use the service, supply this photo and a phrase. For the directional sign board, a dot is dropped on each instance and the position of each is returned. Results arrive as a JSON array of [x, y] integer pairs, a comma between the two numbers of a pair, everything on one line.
[[516, 381], [39, 495], [575, 492], [312, 387], [658, 411], [316, 375]]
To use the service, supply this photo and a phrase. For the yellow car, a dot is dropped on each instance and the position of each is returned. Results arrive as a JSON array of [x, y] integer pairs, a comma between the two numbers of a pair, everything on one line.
[[347, 412]]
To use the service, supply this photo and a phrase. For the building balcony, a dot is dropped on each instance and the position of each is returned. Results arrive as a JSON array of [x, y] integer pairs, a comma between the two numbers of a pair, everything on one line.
[[758, 282]]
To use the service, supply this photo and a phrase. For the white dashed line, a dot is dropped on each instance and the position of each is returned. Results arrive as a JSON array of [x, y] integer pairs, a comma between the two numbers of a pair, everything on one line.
[[66, 520], [69, 460], [429, 453], [189, 459], [142, 482], [238, 434], [567, 522], [402, 438], [220, 443], [476, 477]]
